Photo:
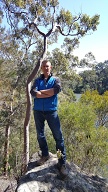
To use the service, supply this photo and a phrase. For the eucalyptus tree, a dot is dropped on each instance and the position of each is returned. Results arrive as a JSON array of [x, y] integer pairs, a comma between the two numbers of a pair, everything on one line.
[[6, 93], [86, 144], [88, 61], [95, 78], [102, 73], [32, 21], [89, 80], [11, 90], [99, 104], [63, 66]]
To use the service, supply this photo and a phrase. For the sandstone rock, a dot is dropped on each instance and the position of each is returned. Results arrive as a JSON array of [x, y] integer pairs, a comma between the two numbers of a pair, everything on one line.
[[46, 178], [7, 184]]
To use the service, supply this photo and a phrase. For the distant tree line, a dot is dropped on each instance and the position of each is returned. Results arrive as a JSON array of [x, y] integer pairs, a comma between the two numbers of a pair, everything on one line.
[[94, 79], [20, 49]]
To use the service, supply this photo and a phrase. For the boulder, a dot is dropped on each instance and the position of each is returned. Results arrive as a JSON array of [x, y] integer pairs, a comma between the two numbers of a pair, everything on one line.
[[46, 178]]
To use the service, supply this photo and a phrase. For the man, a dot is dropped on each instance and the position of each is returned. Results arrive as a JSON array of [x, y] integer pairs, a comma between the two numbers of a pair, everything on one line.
[[45, 90]]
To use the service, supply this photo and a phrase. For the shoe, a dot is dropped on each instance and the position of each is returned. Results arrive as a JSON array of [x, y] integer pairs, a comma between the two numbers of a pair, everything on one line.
[[42, 160], [62, 169]]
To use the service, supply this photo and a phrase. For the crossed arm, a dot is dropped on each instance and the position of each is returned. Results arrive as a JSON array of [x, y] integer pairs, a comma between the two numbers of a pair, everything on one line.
[[45, 93]]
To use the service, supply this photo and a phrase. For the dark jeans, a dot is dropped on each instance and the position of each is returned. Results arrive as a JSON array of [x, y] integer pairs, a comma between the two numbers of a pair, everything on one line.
[[53, 121]]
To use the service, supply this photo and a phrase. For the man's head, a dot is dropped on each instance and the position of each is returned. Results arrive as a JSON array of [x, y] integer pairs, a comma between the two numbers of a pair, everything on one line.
[[46, 68]]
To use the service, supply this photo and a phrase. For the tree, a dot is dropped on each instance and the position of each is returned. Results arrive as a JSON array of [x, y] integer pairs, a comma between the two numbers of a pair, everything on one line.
[[11, 87], [25, 20], [89, 80], [94, 79], [99, 104], [86, 145], [102, 73], [88, 61], [7, 110]]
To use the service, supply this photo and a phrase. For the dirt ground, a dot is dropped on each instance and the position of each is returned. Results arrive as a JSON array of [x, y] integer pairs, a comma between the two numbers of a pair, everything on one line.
[[7, 184]]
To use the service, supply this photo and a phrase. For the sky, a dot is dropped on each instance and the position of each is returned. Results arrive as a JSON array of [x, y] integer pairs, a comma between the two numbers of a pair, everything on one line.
[[97, 42]]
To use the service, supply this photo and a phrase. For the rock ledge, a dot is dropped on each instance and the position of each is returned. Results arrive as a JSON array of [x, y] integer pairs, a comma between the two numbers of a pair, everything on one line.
[[46, 178]]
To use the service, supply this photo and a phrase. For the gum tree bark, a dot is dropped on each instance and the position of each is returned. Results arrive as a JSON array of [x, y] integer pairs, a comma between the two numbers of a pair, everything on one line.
[[6, 165], [29, 99], [65, 23], [6, 150]]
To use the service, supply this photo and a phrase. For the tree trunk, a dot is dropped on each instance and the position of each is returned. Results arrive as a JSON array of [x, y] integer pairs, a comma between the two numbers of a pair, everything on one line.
[[6, 150], [26, 124], [29, 105], [7, 137]]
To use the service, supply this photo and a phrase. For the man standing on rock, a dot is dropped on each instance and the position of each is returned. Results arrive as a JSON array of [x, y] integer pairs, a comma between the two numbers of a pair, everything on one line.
[[45, 90]]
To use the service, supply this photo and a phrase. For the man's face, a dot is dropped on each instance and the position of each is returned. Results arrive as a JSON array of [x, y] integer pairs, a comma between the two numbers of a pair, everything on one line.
[[46, 68]]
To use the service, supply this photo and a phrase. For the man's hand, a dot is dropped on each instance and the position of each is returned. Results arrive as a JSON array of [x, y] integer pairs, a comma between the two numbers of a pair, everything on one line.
[[45, 93]]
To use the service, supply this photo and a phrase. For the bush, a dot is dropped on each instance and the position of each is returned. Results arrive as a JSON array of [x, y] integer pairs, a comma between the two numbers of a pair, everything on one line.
[[86, 145]]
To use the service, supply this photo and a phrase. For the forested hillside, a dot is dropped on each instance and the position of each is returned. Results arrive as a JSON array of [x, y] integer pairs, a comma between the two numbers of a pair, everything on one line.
[[85, 122], [94, 79]]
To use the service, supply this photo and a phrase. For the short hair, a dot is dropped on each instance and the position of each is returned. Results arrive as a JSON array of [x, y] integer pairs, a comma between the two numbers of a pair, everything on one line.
[[45, 61]]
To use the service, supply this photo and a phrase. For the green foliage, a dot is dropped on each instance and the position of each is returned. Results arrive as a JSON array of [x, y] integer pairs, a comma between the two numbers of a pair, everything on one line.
[[94, 79], [50, 139], [102, 73], [69, 94], [45, 14], [63, 64], [59, 62], [70, 45], [66, 17], [99, 104], [13, 74], [86, 146], [19, 51], [88, 61], [89, 81], [34, 146]]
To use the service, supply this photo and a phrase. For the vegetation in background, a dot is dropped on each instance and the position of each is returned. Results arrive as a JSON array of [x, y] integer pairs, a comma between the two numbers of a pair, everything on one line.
[[94, 79], [86, 136], [84, 123]]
